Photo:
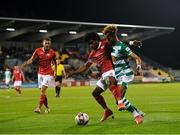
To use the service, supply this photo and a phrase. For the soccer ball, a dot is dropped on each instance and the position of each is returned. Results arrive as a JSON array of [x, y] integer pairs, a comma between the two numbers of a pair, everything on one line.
[[81, 118]]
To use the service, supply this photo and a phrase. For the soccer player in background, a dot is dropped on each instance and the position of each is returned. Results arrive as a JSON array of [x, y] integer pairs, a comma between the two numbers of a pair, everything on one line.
[[7, 76], [99, 54], [121, 54], [59, 74], [18, 78], [46, 56]]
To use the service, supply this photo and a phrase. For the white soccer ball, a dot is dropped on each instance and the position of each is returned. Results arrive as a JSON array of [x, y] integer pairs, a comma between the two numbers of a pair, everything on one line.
[[81, 118]]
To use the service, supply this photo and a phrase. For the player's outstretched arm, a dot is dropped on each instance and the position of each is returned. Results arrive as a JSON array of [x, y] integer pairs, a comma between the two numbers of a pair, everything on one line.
[[80, 69], [27, 63], [137, 60]]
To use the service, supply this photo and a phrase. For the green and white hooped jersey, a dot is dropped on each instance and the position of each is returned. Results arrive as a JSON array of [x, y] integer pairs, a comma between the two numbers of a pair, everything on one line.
[[121, 64]]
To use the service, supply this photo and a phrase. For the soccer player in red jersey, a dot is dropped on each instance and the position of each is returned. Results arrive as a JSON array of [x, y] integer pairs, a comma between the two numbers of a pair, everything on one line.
[[46, 56], [18, 78], [99, 54]]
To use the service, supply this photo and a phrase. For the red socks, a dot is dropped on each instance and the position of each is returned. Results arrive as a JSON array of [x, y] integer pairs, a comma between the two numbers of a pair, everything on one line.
[[116, 91]]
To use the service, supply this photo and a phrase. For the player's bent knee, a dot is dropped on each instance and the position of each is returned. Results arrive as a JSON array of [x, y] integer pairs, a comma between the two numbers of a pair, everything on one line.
[[97, 91]]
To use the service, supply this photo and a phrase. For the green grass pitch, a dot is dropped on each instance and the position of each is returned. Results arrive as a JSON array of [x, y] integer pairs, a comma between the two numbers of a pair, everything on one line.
[[160, 102]]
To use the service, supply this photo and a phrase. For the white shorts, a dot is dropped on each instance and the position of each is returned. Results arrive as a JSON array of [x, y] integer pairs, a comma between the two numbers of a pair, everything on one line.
[[103, 82], [7, 81], [44, 80], [17, 83], [124, 80]]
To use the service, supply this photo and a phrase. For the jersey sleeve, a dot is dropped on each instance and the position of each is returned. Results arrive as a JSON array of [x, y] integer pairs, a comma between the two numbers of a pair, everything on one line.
[[126, 51]]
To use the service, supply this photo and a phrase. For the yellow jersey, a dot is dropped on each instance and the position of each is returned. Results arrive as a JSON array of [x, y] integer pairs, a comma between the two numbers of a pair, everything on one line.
[[59, 70]]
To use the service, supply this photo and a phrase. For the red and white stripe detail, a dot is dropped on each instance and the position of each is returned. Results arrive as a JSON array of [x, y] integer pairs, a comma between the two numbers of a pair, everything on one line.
[[76, 83]]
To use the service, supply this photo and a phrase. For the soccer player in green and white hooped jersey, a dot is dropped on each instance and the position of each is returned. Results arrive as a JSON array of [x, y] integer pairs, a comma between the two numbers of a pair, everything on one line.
[[120, 54]]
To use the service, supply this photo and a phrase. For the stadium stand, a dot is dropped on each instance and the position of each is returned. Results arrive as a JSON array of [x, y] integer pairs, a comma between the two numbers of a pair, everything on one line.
[[72, 59]]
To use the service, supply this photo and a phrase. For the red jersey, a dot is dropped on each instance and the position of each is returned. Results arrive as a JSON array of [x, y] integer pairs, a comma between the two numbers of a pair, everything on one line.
[[45, 60], [100, 58], [18, 75]]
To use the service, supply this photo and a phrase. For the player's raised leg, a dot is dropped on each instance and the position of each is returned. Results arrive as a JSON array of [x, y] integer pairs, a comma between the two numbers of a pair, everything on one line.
[[100, 99]]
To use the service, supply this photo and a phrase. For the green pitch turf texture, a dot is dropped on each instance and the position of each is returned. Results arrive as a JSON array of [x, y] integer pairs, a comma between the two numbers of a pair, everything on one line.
[[160, 102]]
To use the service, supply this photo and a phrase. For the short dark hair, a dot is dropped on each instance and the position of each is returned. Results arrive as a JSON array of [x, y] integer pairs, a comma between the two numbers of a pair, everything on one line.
[[46, 39], [91, 36]]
